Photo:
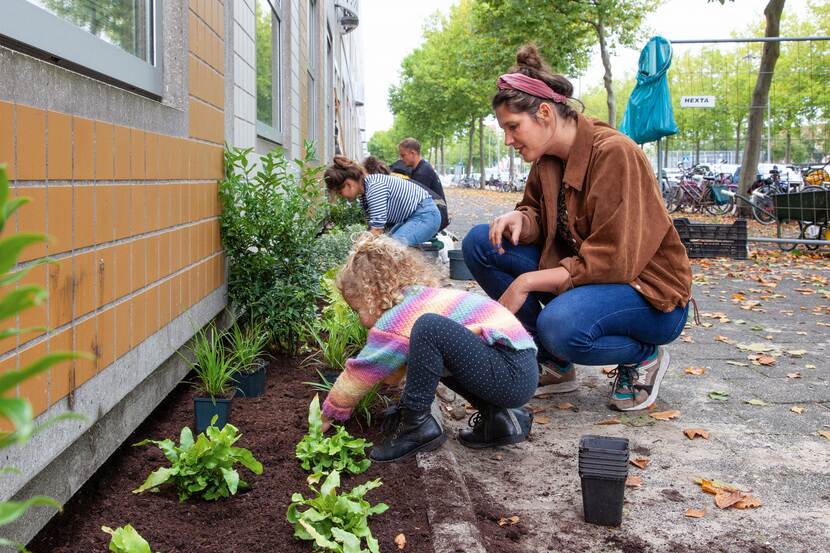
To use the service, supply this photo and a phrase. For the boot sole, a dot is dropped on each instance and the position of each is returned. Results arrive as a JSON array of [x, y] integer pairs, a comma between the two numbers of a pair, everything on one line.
[[655, 389], [509, 440], [563, 388], [432, 445]]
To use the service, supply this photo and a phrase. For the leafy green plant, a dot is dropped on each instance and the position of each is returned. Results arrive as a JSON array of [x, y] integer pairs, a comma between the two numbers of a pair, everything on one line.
[[271, 215], [204, 467], [366, 403], [344, 213], [247, 345], [213, 365], [126, 539], [340, 451], [332, 248], [18, 411], [335, 522]]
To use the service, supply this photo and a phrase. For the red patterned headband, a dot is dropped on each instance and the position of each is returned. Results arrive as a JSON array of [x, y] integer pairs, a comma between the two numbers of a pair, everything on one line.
[[529, 85]]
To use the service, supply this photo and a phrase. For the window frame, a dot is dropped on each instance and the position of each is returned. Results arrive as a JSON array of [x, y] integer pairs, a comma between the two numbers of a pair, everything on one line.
[[313, 70], [34, 30], [274, 132]]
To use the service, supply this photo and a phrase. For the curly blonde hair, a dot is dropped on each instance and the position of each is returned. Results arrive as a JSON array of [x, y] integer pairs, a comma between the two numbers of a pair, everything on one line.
[[377, 271]]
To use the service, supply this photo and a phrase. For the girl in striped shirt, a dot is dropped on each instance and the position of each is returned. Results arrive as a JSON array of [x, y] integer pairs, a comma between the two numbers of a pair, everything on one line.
[[387, 201], [469, 342]]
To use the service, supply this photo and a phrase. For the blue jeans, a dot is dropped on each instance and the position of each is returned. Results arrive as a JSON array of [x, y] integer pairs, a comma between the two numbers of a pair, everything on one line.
[[419, 227], [594, 324]]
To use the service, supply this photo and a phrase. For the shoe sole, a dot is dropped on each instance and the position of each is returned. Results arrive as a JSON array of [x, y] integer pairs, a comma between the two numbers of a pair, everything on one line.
[[432, 445], [655, 389], [563, 388]]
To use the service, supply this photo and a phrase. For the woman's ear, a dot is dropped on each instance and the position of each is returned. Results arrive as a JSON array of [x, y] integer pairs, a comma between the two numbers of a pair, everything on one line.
[[545, 112]]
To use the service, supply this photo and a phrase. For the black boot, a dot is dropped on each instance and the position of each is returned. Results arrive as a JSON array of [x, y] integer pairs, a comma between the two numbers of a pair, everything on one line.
[[494, 426], [406, 433]]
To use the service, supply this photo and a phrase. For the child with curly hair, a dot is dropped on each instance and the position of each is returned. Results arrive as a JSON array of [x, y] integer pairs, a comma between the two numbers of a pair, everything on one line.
[[468, 341]]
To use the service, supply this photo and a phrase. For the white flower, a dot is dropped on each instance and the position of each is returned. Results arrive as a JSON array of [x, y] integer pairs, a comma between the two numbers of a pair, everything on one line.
[[253, 249]]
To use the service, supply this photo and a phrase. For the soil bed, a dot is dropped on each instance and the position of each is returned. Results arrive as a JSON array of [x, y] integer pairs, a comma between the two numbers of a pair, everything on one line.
[[251, 521]]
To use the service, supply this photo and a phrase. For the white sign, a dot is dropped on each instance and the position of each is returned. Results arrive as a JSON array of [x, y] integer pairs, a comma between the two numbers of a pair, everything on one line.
[[697, 101]]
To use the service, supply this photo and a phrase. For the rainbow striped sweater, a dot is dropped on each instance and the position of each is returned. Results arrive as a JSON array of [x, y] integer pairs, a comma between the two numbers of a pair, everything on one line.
[[383, 359]]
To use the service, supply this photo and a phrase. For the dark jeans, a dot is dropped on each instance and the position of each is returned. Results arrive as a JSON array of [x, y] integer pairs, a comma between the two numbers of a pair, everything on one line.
[[442, 349], [594, 324]]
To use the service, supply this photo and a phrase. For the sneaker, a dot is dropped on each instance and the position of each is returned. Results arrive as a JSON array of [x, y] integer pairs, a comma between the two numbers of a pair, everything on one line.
[[556, 379], [636, 386]]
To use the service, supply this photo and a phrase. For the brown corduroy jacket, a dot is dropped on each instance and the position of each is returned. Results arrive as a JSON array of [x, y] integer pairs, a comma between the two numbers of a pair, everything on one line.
[[622, 232]]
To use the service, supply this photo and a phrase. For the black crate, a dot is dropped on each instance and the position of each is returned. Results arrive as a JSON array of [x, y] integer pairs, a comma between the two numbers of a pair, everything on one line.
[[710, 240]]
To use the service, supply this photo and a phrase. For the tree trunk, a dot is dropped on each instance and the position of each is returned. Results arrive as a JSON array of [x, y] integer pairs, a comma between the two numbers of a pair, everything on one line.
[[789, 145], [760, 95], [441, 162], [470, 147], [738, 140], [606, 78], [482, 178], [697, 149]]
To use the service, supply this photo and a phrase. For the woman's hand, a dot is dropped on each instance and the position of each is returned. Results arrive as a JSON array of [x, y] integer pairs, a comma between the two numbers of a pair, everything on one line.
[[510, 225], [516, 294], [326, 423]]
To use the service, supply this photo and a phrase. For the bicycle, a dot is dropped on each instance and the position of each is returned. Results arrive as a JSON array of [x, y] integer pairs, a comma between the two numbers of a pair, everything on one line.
[[698, 196]]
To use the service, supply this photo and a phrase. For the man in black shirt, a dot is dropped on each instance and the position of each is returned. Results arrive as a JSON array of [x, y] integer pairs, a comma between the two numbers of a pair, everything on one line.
[[422, 172]]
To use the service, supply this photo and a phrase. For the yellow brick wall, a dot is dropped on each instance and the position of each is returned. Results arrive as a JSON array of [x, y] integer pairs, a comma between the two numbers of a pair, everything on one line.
[[132, 217]]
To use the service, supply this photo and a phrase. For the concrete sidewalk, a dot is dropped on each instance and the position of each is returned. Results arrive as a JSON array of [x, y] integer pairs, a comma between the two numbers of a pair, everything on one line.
[[778, 306]]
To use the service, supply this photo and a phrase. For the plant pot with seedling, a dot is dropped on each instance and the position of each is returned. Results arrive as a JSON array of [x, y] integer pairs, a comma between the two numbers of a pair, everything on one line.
[[247, 347], [215, 371]]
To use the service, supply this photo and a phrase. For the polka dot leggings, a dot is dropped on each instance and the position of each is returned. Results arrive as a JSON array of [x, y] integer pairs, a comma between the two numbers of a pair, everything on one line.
[[441, 349]]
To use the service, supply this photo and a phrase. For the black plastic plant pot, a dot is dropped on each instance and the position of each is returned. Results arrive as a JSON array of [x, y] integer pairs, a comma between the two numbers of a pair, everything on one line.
[[458, 267], [603, 444], [205, 408], [252, 384], [595, 466], [621, 456], [602, 499]]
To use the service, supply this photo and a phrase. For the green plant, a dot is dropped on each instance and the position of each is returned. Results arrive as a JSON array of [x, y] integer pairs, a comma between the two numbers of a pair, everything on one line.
[[126, 539], [332, 248], [339, 452], [344, 213], [18, 411], [247, 345], [366, 403], [213, 365], [204, 467], [271, 215], [335, 522]]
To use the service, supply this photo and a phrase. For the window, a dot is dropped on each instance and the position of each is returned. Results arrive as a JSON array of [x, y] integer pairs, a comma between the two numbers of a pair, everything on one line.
[[313, 104], [116, 40], [269, 69]]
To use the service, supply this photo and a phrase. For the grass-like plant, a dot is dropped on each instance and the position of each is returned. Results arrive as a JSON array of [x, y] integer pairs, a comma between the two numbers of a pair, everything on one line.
[[335, 522], [247, 345], [340, 451], [126, 539], [203, 467], [214, 366]]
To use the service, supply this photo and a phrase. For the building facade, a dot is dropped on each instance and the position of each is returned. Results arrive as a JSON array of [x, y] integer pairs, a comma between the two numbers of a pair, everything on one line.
[[113, 119]]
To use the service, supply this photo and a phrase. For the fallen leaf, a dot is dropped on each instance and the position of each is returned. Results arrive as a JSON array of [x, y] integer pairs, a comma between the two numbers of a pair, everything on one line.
[[637, 420], [757, 402], [796, 409], [537, 410], [696, 371], [724, 339], [692, 433], [608, 370], [796, 352], [687, 339], [755, 347], [809, 366], [565, 405], [748, 502], [609, 421], [766, 360], [664, 415], [719, 395], [640, 462], [400, 541], [737, 363], [726, 499], [738, 297], [634, 481], [541, 419], [509, 520], [793, 375], [695, 513], [756, 328], [824, 433]]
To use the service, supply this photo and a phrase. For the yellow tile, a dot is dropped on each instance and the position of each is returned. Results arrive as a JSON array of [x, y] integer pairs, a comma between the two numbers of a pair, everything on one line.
[[104, 155], [164, 254], [31, 143], [32, 218], [123, 329], [61, 296], [166, 205], [105, 276], [165, 157], [83, 138], [138, 255], [85, 276], [187, 203], [137, 159], [152, 302], [84, 202], [106, 338], [59, 160], [122, 152], [165, 305], [104, 214], [36, 388], [153, 268], [206, 122], [153, 192], [86, 338], [7, 138], [152, 155], [123, 211], [34, 316], [59, 213], [138, 208], [62, 375], [123, 270], [139, 307]]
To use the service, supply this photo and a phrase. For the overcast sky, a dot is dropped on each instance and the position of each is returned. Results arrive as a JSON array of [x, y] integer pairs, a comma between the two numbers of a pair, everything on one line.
[[392, 28]]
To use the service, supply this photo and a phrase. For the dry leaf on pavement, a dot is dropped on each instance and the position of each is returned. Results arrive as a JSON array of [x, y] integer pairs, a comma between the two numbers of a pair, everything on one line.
[[509, 520], [809, 366], [748, 502], [634, 481], [692, 433], [695, 513], [796, 352], [824, 433], [664, 415], [609, 421], [797, 409], [541, 419], [793, 375], [766, 360], [400, 541], [727, 499], [696, 371], [640, 462], [724, 339], [564, 406], [756, 402], [737, 363]]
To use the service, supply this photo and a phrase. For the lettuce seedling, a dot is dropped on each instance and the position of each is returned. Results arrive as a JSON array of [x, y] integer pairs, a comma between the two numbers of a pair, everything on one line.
[[126, 540], [341, 452], [335, 522], [204, 467]]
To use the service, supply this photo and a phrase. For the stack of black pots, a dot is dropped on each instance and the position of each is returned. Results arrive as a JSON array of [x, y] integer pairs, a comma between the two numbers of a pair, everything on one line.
[[603, 468]]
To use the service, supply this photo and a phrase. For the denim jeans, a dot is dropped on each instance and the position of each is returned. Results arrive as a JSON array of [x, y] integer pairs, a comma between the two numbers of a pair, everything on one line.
[[420, 226], [594, 324]]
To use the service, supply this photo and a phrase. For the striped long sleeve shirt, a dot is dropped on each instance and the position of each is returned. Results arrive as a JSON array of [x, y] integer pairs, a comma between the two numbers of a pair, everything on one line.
[[383, 359], [390, 200]]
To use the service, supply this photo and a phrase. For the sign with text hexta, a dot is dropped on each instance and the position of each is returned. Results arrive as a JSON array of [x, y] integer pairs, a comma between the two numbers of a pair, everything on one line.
[[697, 101]]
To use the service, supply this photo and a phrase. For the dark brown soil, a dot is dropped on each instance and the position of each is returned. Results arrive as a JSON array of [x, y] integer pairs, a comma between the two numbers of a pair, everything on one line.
[[252, 521], [504, 539]]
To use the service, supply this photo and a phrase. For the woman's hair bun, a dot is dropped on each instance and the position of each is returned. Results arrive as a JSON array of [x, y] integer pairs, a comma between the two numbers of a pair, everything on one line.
[[528, 56], [342, 161]]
